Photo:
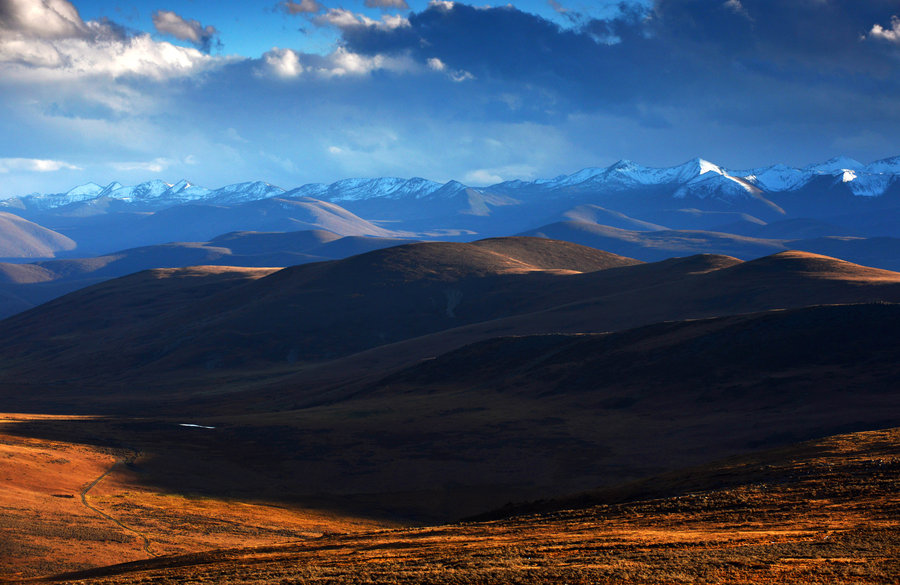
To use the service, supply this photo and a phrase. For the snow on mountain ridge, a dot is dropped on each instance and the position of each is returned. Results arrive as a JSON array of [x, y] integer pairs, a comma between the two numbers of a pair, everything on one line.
[[885, 165], [697, 177], [835, 165], [82, 192], [383, 187]]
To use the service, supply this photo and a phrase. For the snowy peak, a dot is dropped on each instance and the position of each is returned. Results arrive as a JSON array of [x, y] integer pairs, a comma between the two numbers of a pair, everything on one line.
[[885, 165], [778, 178], [702, 178], [82, 192], [239, 193], [697, 177], [381, 188], [836, 165], [691, 170]]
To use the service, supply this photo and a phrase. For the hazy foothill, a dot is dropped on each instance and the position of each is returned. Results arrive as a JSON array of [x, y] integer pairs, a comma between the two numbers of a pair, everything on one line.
[[225, 359]]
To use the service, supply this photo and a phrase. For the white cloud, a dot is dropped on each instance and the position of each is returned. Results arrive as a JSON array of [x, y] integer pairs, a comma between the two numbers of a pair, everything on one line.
[[343, 62], [42, 18], [445, 4], [289, 64], [46, 39], [302, 7], [400, 4], [282, 63], [887, 34], [37, 165], [481, 177], [169, 23], [156, 165], [458, 76], [139, 55], [345, 19], [737, 8], [492, 176]]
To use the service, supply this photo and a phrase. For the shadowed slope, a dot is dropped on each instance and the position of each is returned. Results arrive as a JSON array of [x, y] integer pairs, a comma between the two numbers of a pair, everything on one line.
[[516, 419], [657, 245], [305, 312], [27, 285], [821, 511], [416, 301]]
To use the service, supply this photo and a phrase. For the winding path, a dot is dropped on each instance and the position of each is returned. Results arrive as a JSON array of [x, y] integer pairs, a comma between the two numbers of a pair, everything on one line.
[[88, 505]]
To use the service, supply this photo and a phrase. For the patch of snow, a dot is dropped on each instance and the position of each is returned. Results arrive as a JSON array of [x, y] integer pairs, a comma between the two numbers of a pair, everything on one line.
[[777, 178], [868, 184], [82, 192], [835, 165], [885, 165], [194, 426]]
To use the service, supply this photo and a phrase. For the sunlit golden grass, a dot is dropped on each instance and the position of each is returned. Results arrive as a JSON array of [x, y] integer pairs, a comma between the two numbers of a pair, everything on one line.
[[47, 528], [826, 511]]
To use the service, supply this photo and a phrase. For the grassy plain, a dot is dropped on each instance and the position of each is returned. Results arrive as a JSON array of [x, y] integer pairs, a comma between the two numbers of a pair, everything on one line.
[[55, 516], [824, 511]]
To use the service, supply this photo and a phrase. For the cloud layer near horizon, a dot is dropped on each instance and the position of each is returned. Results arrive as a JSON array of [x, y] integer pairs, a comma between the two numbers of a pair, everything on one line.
[[451, 91]]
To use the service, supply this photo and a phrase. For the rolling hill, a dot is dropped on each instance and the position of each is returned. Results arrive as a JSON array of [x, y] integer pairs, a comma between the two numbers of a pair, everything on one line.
[[733, 240], [421, 383], [396, 305], [816, 511], [20, 238], [28, 285], [313, 311]]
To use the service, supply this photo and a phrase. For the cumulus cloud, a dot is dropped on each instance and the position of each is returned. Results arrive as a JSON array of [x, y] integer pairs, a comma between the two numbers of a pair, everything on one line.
[[891, 35], [52, 19], [36, 59], [47, 39], [290, 64], [302, 7], [170, 23], [282, 63], [672, 50], [38, 165], [398, 4], [344, 20], [651, 81]]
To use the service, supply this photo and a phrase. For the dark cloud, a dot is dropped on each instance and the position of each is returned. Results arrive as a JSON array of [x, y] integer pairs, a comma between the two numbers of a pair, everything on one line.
[[202, 37], [41, 18], [673, 53], [302, 7], [387, 4]]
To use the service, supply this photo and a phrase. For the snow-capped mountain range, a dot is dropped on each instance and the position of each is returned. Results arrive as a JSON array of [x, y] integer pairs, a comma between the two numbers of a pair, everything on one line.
[[695, 178]]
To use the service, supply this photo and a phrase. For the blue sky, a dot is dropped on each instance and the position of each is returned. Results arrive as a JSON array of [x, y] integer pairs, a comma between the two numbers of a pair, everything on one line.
[[305, 91]]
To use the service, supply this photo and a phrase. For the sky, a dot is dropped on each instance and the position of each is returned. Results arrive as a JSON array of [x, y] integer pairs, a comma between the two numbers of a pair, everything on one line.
[[300, 91]]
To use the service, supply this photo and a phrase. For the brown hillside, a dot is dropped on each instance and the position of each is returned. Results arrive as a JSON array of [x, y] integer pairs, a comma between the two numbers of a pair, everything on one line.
[[415, 301], [298, 314], [819, 512], [20, 238], [516, 419]]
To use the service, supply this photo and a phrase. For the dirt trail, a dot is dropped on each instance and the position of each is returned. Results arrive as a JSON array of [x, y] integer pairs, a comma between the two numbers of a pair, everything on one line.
[[93, 484]]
